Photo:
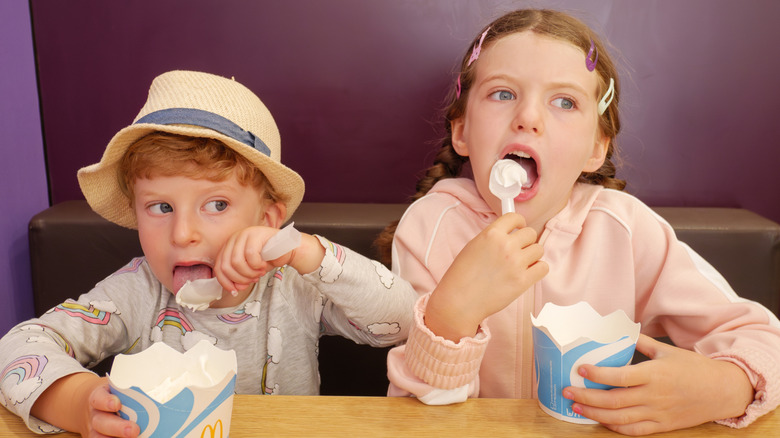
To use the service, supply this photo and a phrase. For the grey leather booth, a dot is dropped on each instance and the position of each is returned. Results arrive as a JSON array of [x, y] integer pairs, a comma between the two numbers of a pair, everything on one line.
[[72, 248]]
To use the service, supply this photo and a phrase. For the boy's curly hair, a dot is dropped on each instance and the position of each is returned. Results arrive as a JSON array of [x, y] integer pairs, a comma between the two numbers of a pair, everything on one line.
[[165, 154]]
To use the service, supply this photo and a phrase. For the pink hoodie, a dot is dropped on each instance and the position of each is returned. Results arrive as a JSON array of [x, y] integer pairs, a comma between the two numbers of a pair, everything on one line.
[[605, 247]]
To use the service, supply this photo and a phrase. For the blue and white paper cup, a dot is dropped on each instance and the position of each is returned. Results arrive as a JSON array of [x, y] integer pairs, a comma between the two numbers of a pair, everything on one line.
[[566, 337], [169, 394]]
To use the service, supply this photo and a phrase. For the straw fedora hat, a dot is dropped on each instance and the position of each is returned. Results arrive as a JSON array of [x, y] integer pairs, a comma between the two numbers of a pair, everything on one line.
[[198, 105]]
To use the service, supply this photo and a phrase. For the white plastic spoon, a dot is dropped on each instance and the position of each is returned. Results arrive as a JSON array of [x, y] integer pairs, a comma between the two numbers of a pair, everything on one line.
[[506, 182], [197, 294]]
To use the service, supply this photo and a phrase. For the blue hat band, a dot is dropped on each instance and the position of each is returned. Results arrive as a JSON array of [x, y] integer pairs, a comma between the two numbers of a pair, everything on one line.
[[205, 119]]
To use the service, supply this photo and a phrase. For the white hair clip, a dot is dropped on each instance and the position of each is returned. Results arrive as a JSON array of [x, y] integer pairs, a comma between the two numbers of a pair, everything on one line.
[[608, 96]]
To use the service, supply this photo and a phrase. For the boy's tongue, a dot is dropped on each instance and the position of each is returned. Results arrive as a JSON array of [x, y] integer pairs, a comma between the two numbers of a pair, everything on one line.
[[182, 274]]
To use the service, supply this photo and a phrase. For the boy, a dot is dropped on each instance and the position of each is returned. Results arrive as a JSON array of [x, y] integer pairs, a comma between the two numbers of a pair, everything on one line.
[[198, 174]]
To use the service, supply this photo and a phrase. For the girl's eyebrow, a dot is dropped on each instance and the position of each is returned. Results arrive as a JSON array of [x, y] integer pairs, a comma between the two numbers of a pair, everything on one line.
[[496, 77], [571, 85], [575, 86]]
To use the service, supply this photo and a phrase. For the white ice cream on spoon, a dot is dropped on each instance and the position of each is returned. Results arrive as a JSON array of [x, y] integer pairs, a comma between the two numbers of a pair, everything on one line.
[[198, 294], [506, 182]]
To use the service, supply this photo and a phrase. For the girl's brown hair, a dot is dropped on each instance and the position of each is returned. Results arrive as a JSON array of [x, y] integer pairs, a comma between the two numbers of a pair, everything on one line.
[[549, 23], [165, 154]]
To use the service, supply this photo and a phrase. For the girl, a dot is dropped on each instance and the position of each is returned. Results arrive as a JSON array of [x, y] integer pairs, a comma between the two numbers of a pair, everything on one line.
[[538, 87]]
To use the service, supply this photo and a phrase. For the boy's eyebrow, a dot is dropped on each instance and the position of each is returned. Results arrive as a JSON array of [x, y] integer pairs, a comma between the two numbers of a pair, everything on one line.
[[216, 186]]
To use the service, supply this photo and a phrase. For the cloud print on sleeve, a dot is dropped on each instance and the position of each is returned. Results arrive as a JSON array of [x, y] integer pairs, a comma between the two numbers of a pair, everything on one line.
[[384, 328], [385, 276], [331, 268]]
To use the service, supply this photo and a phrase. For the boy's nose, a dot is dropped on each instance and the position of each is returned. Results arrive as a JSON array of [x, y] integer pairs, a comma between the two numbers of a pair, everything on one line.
[[185, 230]]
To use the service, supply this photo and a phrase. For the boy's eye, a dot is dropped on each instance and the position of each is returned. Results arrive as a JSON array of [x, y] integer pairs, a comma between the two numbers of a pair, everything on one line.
[[161, 208], [563, 102], [502, 95], [216, 206]]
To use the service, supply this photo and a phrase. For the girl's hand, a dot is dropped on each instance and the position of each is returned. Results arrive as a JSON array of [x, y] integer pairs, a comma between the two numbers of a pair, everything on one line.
[[675, 389], [240, 264], [491, 271]]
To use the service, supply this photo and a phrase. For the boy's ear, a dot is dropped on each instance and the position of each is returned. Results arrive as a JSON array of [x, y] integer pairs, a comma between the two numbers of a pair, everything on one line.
[[596, 159], [458, 143], [274, 214]]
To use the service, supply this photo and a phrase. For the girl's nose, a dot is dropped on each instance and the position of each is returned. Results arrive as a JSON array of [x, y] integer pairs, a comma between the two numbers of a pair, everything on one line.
[[529, 117], [185, 230]]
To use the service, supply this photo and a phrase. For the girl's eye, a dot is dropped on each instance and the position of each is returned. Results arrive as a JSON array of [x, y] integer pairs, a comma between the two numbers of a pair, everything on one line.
[[563, 102], [216, 206], [161, 208], [502, 95]]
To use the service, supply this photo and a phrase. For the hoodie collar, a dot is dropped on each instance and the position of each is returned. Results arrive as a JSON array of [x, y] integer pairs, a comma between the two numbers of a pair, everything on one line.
[[569, 220]]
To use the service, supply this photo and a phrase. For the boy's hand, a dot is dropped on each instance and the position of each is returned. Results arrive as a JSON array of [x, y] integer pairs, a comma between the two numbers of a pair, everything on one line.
[[676, 388], [240, 263], [82, 403], [492, 270], [103, 419]]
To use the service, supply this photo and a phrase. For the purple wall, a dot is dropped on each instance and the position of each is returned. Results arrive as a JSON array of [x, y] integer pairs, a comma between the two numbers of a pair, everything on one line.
[[22, 174], [355, 86]]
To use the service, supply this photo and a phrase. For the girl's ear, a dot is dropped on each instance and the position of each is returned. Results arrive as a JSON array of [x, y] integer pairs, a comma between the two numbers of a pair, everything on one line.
[[458, 143], [596, 159], [274, 214]]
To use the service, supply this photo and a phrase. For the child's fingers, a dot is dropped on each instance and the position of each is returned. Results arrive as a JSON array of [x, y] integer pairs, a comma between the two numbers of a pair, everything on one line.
[[615, 398], [629, 375], [524, 242], [104, 406], [235, 258], [223, 281], [625, 419], [537, 271], [509, 222], [601, 405], [109, 424], [102, 399], [638, 428], [231, 280], [622, 410], [220, 268], [513, 225], [649, 346], [250, 251], [227, 277], [240, 262], [625, 376], [524, 236]]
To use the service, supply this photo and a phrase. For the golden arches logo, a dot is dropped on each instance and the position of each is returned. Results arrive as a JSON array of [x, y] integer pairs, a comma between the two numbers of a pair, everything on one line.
[[212, 431]]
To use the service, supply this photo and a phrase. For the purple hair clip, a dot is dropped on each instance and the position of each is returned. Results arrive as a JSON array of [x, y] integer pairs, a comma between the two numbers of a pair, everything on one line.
[[477, 48], [588, 63]]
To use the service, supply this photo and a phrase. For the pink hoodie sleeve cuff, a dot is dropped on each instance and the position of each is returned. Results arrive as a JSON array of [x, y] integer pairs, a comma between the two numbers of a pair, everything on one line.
[[440, 362], [764, 374]]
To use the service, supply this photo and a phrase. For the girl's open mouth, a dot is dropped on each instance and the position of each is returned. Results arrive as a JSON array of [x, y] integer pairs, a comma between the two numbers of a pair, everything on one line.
[[528, 164]]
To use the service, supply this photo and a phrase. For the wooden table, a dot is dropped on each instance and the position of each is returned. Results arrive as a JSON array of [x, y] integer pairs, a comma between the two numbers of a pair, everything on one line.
[[353, 417]]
